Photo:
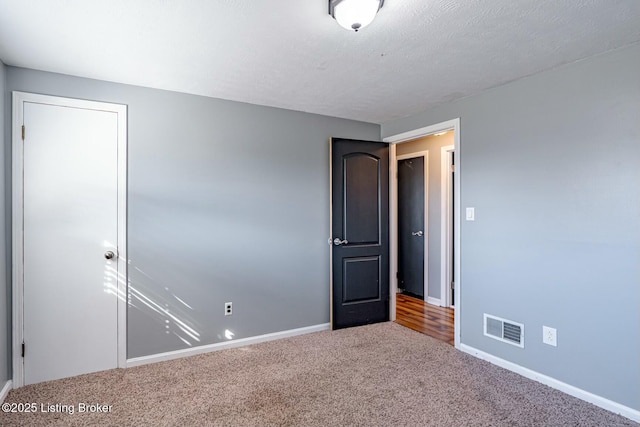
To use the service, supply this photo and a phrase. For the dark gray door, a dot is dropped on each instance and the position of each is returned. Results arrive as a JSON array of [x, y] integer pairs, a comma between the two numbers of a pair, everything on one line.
[[360, 232], [411, 231]]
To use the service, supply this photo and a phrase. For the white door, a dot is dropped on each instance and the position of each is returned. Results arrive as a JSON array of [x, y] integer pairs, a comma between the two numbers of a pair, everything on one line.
[[70, 241]]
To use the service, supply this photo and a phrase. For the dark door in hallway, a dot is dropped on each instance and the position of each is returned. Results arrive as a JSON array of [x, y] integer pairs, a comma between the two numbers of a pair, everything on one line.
[[411, 231], [359, 232]]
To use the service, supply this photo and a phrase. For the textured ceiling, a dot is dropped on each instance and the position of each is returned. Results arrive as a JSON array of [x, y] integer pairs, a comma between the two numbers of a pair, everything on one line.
[[292, 54]]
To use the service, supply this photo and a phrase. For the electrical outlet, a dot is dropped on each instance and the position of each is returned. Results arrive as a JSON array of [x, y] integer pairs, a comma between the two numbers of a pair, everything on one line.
[[228, 309], [550, 336]]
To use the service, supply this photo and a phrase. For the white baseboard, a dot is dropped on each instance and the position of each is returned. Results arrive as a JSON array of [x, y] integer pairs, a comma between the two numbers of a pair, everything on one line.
[[434, 301], [160, 357], [8, 386], [600, 401]]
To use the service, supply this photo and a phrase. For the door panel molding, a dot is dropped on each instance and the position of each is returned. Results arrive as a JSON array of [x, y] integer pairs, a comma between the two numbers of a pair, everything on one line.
[[425, 155], [364, 168], [358, 263], [454, 125], [19, 98]]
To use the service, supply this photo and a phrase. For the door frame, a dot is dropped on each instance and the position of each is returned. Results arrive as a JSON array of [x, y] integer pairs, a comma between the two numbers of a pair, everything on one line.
[[17, 271], [425, 155], [454, 125], [446, 187]]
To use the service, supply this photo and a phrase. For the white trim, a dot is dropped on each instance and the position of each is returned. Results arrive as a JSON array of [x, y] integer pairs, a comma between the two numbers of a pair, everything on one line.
[[457, 221], [445, 225], [600, 401], [16, 237], [123, 260], [393, 232], [433, 301], [19, 98], [424, 131], [425, 226], [8, 386], [170, 355], [407, 136]]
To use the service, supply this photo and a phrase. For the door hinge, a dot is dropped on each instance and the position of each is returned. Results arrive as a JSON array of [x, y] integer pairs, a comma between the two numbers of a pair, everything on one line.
[[23, 349], [23, 132], [453, 285], [453, 168]]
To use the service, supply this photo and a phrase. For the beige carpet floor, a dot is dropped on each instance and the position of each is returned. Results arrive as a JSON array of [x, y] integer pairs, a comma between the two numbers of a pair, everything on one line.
[[376, 375]]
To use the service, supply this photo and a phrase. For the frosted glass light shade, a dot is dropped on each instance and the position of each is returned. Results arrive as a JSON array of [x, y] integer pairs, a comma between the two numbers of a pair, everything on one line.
[[354, 14]]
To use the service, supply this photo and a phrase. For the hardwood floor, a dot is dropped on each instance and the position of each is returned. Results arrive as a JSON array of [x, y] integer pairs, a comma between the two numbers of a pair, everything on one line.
[[437, 322]]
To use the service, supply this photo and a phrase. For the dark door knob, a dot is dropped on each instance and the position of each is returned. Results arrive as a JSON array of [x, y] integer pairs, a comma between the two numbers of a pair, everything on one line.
[[109, 255]]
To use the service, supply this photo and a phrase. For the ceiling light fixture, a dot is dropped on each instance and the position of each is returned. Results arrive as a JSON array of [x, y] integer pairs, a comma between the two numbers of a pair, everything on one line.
[[354, 14]]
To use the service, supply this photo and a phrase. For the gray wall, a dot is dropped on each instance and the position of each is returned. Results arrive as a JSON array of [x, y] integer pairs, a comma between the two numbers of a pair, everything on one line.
[[227, 202], [5, 283], [552, 165], [433, 145]]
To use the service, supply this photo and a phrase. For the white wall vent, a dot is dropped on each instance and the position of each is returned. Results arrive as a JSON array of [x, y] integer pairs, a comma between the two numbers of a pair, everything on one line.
[[504, 330]]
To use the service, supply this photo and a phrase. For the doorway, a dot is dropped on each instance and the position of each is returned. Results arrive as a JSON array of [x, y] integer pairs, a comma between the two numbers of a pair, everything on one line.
[[443, 260], [69, 237]]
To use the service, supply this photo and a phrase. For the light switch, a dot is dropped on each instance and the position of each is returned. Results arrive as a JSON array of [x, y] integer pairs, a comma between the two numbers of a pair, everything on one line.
[[471, 214]]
